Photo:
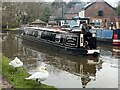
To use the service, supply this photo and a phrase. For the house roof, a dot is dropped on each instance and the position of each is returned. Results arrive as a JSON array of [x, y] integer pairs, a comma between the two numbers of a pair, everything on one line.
[[75, 9], [92, 3]]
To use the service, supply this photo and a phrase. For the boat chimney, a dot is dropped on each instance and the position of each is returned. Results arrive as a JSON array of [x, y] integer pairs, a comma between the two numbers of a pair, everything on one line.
[[117, 25], [117, 22]]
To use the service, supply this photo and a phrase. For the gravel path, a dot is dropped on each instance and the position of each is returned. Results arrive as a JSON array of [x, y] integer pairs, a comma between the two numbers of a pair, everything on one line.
[[4, 83]]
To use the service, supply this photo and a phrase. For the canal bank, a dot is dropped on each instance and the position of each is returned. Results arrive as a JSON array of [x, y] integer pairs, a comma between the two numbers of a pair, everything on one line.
[[4, 83], [16, 79]]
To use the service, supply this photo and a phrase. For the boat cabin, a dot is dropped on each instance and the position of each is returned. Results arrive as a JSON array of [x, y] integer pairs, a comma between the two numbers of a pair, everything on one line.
[[79, 38]]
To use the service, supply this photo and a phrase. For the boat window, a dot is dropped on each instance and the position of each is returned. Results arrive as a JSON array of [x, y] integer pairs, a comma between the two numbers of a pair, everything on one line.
[[48, 35], [26, 31], [35, 33], [30, 32], [57, 38], [39, 33]]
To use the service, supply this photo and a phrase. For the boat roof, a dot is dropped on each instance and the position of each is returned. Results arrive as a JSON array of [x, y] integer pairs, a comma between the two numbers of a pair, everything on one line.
[[48, 29]]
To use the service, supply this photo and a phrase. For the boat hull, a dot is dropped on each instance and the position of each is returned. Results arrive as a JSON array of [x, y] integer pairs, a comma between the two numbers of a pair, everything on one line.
[[52, 45]]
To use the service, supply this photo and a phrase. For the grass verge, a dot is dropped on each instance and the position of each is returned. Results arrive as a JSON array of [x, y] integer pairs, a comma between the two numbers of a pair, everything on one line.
[[9, 29], [17, 78]]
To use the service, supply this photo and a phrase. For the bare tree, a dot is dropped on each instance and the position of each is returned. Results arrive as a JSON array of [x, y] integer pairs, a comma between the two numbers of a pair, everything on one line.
[[17, 13]]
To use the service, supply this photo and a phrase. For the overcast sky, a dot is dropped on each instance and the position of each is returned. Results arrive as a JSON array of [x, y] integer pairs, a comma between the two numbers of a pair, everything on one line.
[[114, 3], [111, 2]]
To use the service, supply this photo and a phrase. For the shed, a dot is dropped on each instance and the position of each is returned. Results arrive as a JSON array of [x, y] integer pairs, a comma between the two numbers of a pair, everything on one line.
[[38, 22]]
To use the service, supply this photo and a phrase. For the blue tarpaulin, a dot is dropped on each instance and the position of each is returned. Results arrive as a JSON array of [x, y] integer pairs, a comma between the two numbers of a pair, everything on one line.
[[72, 23], [104, 34]]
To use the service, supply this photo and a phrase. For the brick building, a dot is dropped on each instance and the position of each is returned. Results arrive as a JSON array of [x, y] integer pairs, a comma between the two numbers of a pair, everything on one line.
[[101, 14]]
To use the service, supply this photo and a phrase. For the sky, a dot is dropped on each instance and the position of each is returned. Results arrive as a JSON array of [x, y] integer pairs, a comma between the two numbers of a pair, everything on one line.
[[111, 2]]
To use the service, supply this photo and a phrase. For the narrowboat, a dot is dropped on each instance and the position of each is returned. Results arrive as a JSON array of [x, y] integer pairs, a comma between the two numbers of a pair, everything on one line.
[[107, 36], [76, 42], [116, 37]]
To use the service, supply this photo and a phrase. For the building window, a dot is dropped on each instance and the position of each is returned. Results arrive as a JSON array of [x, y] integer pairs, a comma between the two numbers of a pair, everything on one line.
[[100, 13]]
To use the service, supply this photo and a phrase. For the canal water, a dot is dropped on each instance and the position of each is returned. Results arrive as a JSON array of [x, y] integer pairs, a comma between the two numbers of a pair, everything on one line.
[[65, 71]]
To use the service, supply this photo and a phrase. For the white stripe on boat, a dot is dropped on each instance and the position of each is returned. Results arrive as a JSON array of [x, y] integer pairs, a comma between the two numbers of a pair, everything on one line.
[[93, 51], [114, 40], [116, 50]]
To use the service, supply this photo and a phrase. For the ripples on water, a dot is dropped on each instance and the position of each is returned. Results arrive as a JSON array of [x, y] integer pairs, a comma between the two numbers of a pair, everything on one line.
[[66, 71]]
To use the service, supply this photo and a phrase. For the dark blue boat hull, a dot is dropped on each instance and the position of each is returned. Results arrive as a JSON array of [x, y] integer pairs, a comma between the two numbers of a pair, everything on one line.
[[51, 45], [103, 35]]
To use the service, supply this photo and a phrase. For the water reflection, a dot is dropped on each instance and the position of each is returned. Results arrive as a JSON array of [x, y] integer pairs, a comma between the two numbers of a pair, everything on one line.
[[85, 67], [116, 52], [66, 71], [109, 50], [10, 44]]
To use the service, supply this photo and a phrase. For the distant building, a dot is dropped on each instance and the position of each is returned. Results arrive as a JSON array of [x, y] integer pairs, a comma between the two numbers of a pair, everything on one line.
[[101, 14], [70, 15], [74, 11]]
